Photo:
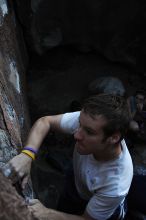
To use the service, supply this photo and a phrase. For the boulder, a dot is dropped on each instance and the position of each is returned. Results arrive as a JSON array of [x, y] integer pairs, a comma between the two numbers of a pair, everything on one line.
[[110, 85]]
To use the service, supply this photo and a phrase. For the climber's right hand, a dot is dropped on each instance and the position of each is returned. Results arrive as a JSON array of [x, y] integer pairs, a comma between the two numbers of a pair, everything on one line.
[[20, 167]]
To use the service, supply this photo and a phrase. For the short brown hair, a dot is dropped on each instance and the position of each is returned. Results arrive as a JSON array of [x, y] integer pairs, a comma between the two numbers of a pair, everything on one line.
[[113, 108]]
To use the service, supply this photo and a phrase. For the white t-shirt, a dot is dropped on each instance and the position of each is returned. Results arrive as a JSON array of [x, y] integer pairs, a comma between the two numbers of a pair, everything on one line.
[[103, 184]]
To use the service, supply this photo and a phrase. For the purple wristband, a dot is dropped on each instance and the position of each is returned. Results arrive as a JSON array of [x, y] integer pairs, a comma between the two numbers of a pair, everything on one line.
[[30, 149]]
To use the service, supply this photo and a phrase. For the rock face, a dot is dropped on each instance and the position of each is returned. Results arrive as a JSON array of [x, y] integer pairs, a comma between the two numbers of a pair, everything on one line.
[[12, 205], [116, 29], [14, 119], [110, 85]]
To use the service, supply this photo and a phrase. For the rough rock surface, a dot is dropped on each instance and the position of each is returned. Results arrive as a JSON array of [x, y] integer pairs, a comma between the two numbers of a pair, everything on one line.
[[14, 119], [12, 206], [110, 85]]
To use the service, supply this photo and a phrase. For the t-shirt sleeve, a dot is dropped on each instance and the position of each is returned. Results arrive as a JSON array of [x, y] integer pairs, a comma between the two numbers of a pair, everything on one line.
[[102, 207], [70, 122]]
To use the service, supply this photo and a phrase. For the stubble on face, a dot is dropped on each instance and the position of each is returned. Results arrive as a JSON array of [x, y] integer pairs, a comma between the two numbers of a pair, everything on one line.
[[90, 137]]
